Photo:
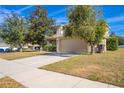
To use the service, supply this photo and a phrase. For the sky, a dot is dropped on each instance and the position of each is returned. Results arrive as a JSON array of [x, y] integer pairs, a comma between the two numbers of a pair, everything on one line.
[[114, 15]]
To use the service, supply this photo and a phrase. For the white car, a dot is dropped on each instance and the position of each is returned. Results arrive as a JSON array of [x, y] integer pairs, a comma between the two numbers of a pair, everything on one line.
[[15, 49]]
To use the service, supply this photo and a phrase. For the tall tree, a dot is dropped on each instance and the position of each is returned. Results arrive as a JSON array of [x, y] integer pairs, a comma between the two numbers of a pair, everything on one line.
[[39, 26], [13, 31], [83, 24]]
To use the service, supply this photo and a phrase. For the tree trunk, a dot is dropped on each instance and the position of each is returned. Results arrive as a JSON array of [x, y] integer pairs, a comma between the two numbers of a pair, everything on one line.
[[40, 47], [92, 49], [33, 48], [20, 48]]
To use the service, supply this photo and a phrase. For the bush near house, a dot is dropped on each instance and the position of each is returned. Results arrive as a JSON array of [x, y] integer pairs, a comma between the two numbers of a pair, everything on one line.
[[50, 47], [120, 40], [112, 43]]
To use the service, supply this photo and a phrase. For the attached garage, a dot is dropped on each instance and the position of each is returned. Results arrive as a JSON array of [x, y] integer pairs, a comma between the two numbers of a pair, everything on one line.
[[71, 45], [74, 44]]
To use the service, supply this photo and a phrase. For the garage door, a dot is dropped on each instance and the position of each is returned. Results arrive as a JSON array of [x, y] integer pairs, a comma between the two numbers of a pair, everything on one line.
[[72, 45]]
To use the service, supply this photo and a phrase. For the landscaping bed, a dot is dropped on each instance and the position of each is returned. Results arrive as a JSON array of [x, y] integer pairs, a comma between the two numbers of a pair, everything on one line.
[[18, 55], [106, 67], [7, 82]]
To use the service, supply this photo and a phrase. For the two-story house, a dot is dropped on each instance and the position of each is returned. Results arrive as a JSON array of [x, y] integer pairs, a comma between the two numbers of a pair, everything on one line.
[[74, 44]]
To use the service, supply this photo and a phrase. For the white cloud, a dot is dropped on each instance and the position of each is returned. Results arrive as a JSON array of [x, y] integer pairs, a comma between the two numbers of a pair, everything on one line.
[[117, 27], [3, 13], [23, 9], [115, 19], [61, 20], [57, 12]]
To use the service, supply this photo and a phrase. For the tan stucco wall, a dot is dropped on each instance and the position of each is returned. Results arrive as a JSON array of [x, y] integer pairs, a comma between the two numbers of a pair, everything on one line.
[[75, 45], [72, 45], [104, 43]]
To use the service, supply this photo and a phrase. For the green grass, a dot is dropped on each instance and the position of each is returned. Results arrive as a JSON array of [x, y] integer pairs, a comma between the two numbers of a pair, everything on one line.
[[107, 67], [19, 55], [7, 82]]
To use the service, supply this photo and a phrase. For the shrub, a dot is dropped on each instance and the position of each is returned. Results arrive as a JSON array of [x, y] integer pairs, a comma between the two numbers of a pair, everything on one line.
[[121, 40], [50, 47], [112, 43]]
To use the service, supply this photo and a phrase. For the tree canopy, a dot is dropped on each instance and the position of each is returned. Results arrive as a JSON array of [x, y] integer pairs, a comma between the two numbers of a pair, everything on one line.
[[39, 26], [13, 30], [83, 24]]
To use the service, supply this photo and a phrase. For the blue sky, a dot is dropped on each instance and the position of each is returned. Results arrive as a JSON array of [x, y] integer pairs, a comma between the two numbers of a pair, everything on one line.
[[114, 15]]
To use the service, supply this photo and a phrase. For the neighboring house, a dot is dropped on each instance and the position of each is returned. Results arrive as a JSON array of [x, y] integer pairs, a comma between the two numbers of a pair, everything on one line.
[[74, 44], [3, 45]]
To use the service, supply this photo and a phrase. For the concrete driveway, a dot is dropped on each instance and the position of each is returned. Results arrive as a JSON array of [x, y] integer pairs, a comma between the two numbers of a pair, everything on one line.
[[38, 61], [26, 72]]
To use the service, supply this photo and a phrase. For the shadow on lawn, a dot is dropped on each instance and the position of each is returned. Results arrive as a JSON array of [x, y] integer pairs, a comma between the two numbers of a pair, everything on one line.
[[62, 54]]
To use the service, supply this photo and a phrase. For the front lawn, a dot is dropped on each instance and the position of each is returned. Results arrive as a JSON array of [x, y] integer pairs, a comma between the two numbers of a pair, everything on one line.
[[7, 82], [107, 67], [18, 55]]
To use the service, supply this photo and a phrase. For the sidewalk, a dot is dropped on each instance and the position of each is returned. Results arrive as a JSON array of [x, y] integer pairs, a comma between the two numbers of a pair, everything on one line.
[[33, 77], [40, 78]]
